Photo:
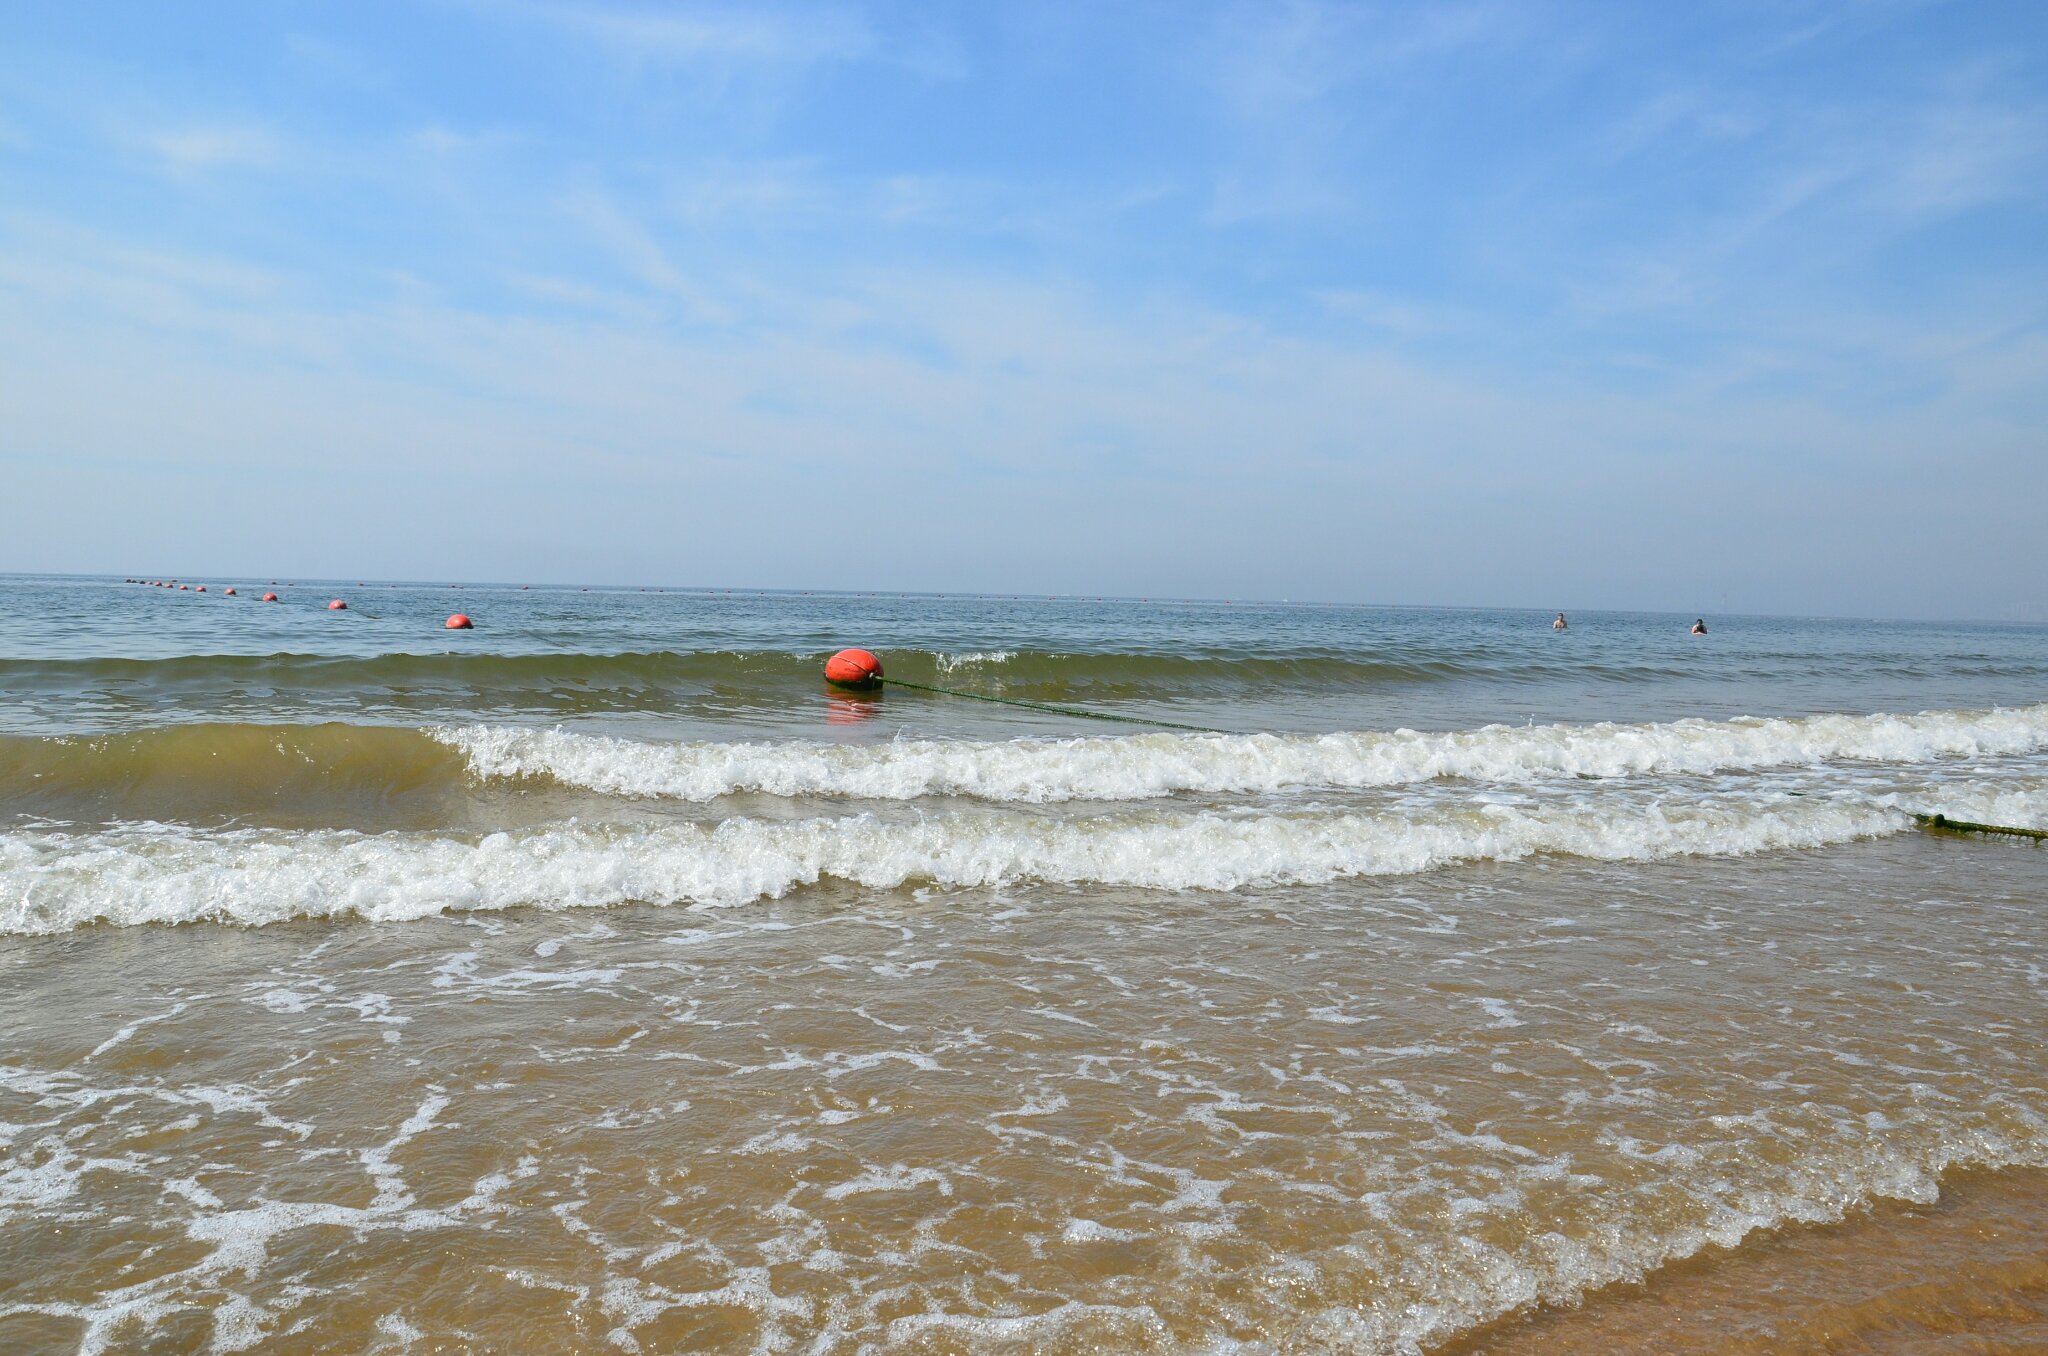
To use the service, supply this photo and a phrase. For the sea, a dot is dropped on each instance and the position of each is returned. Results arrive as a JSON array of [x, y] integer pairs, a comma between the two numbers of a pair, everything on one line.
[[599, 980]]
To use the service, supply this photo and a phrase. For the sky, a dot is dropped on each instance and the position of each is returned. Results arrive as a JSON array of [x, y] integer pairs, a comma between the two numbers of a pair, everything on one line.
[[1735, 306]]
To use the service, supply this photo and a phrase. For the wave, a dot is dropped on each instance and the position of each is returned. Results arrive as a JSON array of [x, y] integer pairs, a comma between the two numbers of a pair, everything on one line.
[[196, 772], [1131, 767], [339, 773], [53, 881], [650, 680]]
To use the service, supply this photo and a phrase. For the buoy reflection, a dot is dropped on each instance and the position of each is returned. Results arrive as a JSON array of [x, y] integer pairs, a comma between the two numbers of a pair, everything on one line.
[[845, 709]]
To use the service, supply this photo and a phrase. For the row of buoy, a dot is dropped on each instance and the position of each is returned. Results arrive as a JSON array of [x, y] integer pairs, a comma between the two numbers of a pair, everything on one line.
[[228, 592], [456, 622]]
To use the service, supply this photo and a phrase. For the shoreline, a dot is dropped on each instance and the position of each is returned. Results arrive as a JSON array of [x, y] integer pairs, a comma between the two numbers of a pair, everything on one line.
[[1892, 1275]]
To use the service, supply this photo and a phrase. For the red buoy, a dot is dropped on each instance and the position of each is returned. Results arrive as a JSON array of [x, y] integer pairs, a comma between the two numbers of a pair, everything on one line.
[[229, 590], [853, 668], [200, 589], [269, 597], [184, 588], [458, 622], [337, 606]]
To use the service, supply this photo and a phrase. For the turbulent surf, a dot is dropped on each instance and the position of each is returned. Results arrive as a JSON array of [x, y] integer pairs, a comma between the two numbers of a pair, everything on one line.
[[600, 977]]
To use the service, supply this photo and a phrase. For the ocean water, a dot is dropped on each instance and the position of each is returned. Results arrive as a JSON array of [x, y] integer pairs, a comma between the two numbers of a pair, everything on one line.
[[599, 980]]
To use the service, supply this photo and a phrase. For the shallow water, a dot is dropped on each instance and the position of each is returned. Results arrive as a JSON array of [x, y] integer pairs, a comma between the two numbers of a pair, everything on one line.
[[723, 1015]]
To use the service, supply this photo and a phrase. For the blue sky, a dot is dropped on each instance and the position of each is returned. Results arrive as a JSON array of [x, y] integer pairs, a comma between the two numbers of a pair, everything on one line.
[[1704, 307]]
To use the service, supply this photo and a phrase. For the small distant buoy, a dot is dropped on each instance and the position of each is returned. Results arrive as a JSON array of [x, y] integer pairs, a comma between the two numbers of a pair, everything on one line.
[[229, 591], [337, 606], [200, 589], [184, 588], [458, 622], [854, 669], [269, 597]]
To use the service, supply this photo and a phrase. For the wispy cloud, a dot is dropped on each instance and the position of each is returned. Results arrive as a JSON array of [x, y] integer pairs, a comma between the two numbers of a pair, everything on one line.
[[1683, 112], [440, 139], [636, 249], [781, 260], [695, 34], [749, 191], [1308, 89], [1398, 318], [1953, 158], [197, 150]]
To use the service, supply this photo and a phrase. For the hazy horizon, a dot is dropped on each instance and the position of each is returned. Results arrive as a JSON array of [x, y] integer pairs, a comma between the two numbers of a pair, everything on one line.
[[1736, 309], [252, 578]]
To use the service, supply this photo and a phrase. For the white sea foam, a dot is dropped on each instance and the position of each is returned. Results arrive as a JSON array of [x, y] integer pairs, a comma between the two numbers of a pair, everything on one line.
[[954, 663], [1143, 766], [52, 881]]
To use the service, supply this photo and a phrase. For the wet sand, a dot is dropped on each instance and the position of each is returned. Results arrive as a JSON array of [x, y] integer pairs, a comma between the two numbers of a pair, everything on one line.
[[1369, 1117], [1966, 1273]]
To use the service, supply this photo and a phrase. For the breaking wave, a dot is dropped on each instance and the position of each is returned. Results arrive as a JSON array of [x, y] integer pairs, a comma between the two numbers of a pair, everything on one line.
[[1143, 766], [56, 880]]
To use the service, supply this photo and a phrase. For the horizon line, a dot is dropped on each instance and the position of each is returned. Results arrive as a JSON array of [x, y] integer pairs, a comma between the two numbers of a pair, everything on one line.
[[1156, 599]]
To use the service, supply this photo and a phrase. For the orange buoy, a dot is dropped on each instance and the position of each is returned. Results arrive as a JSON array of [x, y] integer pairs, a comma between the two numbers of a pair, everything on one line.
[[229, 591], [200, 589], [853, 668], [269, 597], [337, 606], [458, 622], [184, 588]]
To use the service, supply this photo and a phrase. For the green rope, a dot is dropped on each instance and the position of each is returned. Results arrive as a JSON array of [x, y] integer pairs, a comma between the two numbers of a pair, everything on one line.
[[1047, 706], [1965, 826]]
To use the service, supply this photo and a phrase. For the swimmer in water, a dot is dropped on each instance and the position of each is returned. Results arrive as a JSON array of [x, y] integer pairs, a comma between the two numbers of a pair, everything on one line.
[[1699, 627], [1559, 624]]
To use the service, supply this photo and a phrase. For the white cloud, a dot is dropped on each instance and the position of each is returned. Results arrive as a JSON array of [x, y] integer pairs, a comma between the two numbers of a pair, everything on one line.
[[962, 414]]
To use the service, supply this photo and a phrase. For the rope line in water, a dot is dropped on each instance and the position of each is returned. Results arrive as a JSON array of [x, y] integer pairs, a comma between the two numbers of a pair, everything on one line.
[[1965, 826], [1048, 706]]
